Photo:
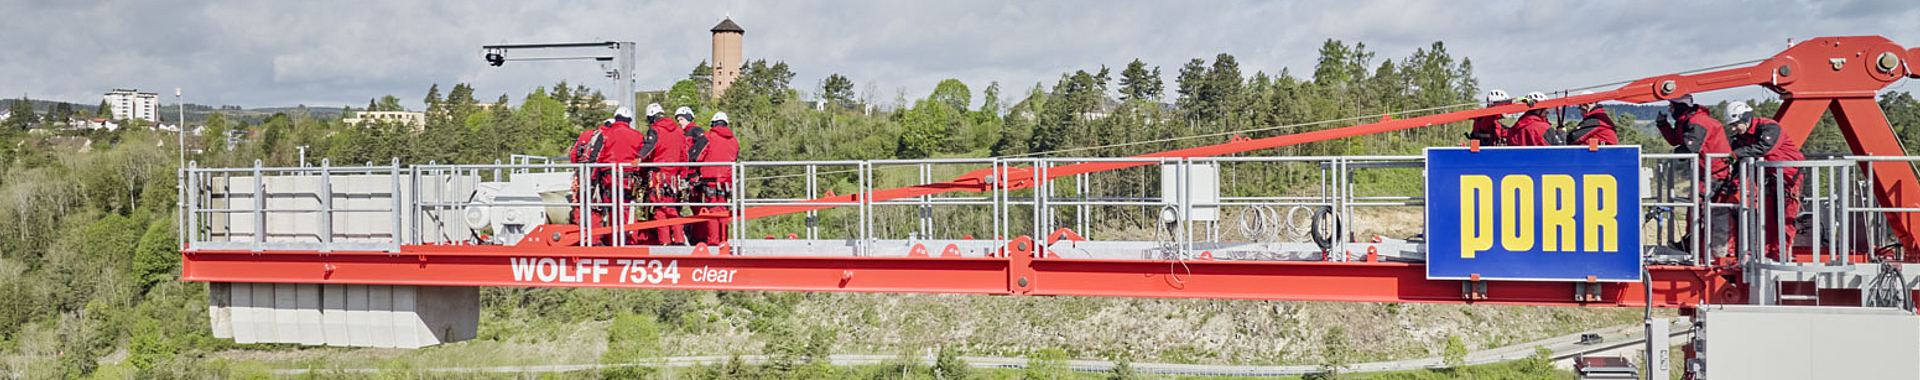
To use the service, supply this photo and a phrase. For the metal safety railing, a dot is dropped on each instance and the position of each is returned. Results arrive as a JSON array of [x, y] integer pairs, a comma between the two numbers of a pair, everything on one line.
[[1818, 222], [1178, 204]]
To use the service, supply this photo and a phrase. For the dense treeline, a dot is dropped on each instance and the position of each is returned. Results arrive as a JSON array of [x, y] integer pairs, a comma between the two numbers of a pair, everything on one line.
[[88, 256]]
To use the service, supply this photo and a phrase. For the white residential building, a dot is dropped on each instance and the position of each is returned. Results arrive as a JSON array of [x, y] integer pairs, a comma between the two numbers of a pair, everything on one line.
[[134, 105], [416, 119], [95, 124]]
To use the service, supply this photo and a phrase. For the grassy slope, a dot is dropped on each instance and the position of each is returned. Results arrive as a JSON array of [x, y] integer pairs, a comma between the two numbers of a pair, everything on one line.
[[1147, 330]]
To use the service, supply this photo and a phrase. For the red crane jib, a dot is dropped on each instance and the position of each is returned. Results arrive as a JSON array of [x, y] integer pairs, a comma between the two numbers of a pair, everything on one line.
[[1841, 74], [1838, 74]]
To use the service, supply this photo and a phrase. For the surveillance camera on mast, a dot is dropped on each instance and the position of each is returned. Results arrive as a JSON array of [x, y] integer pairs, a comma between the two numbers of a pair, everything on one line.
[[616, 58]]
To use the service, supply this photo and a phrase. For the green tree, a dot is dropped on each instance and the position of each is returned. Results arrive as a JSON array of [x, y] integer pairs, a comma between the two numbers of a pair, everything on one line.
[[837, 91], [1190, 84], [1137, 83], [947, 365], [1455, 354], [433, 100], [1122, 370], [953, 94], [990, 101], [540, 115], [1069, 108], [22, 113], [939, 123], [760, 82], [1903, 113], [156, 255], [1335, 354], [685, 93], [389, 103], [631, 339], [1047, 364], [702, 77], [59, 112], [1340, 65]]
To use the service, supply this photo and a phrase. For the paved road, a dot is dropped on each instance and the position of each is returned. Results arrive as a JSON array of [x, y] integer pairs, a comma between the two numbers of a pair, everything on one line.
[[1614, 339]]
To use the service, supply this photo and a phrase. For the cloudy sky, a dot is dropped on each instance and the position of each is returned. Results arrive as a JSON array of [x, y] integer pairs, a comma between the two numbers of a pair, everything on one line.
[[258, 53]]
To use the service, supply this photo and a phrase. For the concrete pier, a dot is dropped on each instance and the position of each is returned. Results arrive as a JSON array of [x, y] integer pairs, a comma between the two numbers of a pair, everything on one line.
[[395, 316]]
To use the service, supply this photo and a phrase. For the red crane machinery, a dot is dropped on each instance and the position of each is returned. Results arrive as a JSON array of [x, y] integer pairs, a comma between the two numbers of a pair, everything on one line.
[[304, 254], [1840, 74]]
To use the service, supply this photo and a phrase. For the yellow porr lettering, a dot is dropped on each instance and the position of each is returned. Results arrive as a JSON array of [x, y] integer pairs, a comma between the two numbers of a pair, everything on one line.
[[1516, 215], [1476, 209], [1602, 230], [1557, 230]]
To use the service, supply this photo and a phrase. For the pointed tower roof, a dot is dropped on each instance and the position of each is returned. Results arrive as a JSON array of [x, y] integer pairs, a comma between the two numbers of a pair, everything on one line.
[[727, 25]]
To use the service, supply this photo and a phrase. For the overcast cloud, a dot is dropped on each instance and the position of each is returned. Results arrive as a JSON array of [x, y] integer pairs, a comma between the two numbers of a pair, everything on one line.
[[330, 53]]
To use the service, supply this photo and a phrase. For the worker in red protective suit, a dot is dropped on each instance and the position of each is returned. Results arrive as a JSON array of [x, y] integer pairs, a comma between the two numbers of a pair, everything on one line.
[[1532, 128], [585, 150], [1756, 137], [1596, 126], [1487, 129], [1694, 130], [714, 184], [666, 142], [620, 144]]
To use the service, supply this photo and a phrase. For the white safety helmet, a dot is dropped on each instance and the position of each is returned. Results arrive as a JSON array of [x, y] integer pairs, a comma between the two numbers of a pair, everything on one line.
[[1738, 112], [720, 117], [655, 110], [623, 113], [1497, 95], [683, 111], [1536, 96], [607, 123]]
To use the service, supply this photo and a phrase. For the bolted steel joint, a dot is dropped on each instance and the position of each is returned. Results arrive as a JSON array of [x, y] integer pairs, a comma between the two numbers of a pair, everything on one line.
[[1888, 61], [1668, 86], [1783, 71]]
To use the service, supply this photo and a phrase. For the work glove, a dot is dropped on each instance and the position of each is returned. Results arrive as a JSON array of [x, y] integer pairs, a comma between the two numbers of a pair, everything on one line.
[[1661, 121]]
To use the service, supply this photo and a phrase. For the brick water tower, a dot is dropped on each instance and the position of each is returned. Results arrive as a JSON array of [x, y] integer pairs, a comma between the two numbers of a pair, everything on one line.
[[726, 55]]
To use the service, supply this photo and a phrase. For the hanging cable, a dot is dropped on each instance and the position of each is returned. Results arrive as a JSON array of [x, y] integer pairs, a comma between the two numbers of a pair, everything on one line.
[[1278, 127]]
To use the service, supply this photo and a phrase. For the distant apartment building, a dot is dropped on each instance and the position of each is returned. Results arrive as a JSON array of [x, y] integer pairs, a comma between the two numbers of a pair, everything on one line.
[[416, 119], [134, 105]]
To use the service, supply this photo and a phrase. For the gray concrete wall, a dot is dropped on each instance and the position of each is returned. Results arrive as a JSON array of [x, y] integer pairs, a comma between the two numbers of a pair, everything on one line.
[[398, 316]]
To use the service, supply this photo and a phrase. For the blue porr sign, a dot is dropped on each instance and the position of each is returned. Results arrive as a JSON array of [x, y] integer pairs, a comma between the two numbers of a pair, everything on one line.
[[1537, 213]]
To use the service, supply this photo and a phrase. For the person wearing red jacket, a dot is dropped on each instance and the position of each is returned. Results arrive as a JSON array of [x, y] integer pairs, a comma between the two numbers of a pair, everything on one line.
[[584, 151], [620, 144], [1487, 129], [714, 184], [666, 142], [1532, 128], [1596, 126], [1756, 137], [1694, 130]]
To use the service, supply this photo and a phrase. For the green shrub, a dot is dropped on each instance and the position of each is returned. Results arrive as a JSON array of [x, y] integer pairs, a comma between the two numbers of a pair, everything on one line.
[[949, 366], [632, 338], [1455, 354], [1047, 364]]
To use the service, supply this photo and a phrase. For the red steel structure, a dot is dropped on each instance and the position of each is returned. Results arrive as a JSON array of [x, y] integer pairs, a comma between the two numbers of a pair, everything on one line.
[[1838, 74]]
